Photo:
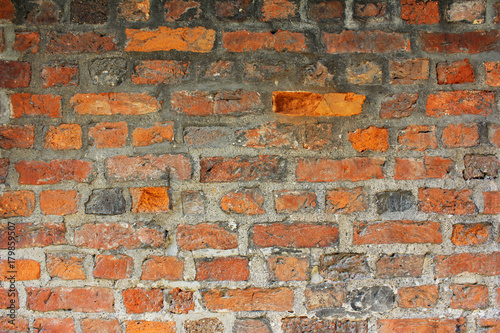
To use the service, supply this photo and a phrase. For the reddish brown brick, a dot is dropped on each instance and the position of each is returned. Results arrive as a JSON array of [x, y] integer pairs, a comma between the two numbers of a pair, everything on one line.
[[141, 326], [7, 10], [294, 235], [305, 324], [113, 267], [26, 269], [217, 269], [180, 10], [94, 299], [399, 105], [287, 268], [109, 135], [114, 103], [426, 167], [460, 135], [342, 266], [418, 297], [494, 135], [20, 325], [60, 75], [59, 202], [251, 299], [469, 297], [346, 200], [422, 325], [66, 266], [55, 325], [420, 12], [409, 71], [246, 41], [15, 74], [205, 235], [181, 301], [55, 171], [107, 236], [271, 135], [100, 325], [160, 71], [491, 202], [27, 42], [327, 170], [63, 137], [456, 103], [34, 235], [397, 265], [492, 73], [242, 168], [325, 295], [446, 201], [371, 138], [141, 300], [157, 267], [457, 72], [397, 232], [197, 39], [35, 105], [468, 42], [251, 326], [294, 201], [44, 12], [237, 10], [365, 42], [371, 12], [247, 201], [418, 137], [76, 43], [16, 203], [17, 136], [4, 169], [278, 9], [325, 11], [474, 263]]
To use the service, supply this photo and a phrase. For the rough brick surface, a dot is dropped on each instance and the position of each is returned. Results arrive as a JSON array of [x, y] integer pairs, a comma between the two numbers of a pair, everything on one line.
[[294, 235], [17, 136], [397, 232], [197, 39], [252, 299]]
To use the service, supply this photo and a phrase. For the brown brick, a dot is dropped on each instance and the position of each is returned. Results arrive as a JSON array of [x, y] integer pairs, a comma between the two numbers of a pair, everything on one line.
[[294, 201], [492, 73], [457, 72], [427, 167], [56, 325], [325, 11], [193, 202], [409, 71], [342, 266], [406, 232], [76, 43], [247, 201], [366, 72], [34, 235], [114, 103], [4, 169], [60, 75], [181, 301], [396, 265], [481, 166], [100, 325], [94, 299], [55, 171], [237, 10], [156, 267], [207, 136], [63, 137], [17, 136], [469, 297], [16, 203], [278, 9], [322, 136], [287, 268], [371, 138], [460, 135], [242, 168], [494, 135], [418, 297], [467, 42], [197, 39], [160, 71], [35, 105], [271, 135], [216, 269], [66, 266], [59, 202], [365, 42], [306, 325], [26, 269], [7, 10], [470, 234], [258, 71], [27, 42], [251, 299], [150, 199], [399, 105], [420, 12], [182, 10], [475, 263], [138, 300], [205, 235], [113, 267], [418, 137], [491, 202], [295, 235], [346, 200], [140, 326], [89, 11], [325, 295], [204, 325], [109, 135], [15, 74], [371, 12], [422, 325], [327, 170], [455, 103], [20, 325], [281, 40], [134, 10]]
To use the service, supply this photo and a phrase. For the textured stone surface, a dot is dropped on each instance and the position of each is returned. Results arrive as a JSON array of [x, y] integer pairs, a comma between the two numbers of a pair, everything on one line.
[[106, 202]]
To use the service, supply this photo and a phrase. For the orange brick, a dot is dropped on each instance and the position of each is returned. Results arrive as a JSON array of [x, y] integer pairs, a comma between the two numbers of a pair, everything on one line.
[[27, 269], [158, 133], [109, 135], [66, 267], [62, 137], [59, 202], [371, 138], [197, 39]]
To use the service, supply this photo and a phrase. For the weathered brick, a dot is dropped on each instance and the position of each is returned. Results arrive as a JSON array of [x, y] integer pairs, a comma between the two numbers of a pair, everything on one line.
[[114, 103], [108, 201], [89, 11], [346, 200], [198, 137], [109, 135], [158, 267], [204, 325], [371, 12], [491, 202], [26, 269], [181, 301], [306, 325], [180, 10], [461, 102], [237, 10], [371, 138], [422, 325], [316, 74], [20, 325], [342, 266], [292, 103], [470, 234], [221, 68], [242, 168], [7, 10], [469, 297], [113, 267], [196, 39], [467, 42], [372, 299], [278, 10], [15, 74], [251, 299], [418, 297], [258, 71], [2, 41], [158, 133], [474, 263], [108, 71], [93, 299], [295, 235], [247, 201], [460, 135], [271, 135], [398, 105], [327, 170], [16, 203], [193, 202], [481, 166], [138, 300], [107, 236], [148, 167], [150, 199], [27, 42], [322, 136], [63, 137], [469, 11], [426, 167], [494, 135], [160, 71], [489, 325], [365, 42], [420, 12], [8, 301], [217, 269], [34, 235], [492, 73], [390, 232], [4, 169], [325, 11], [287, 268], [281, 40], [134, 10], [446, 201], [24, 104], [205, 235], [397, 265], [76, 43], [294, 201], [66, 266], [100, 325], [56, 325], [17, 136], [60, 74], [457, 72], [43, 12], [418, 137], [394, 201], [59, 202], [365, 72], [250, 326], [141, 326], [409, 71], [325, 295]]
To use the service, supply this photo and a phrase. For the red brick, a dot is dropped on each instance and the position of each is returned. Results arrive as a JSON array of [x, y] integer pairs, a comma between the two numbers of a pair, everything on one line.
[[94, 299], [398, 265], [17, 136], [473, 263], [460, 135], [287, 268], [20, 325], [27, 42], [16, 203], [278, 9], [470, 234], [469, 11], [4, 169], [325, 296], [365, 42], [446, 201], [27, 269], [113, 267], [397, 232], [422, 325], [158, 133], [160, 71], [364, 72], [180, 10], [491, 202], [494, 135], [7, 10], [100, 326], [294, 201], [469, 297], [251, 299], [242, 168], [468, 42], [60, 75], [55, 171], [325, 11], [305, 324], [457, 72], [107, 236], [281, 40], [247, 201], [488, 325], [399, 105], [371, 138], [35, 105], [141, 300], [2, 41], [271, 135], [418, 137], [140, 326], [420, 12], [222, 269], [409, 71], [292, 103], [65, 266], [221, 68], [327, 170], [134, 10], [8, 299], [205, 235], [156, 268], [346, 200], [322, 136], [181, 301], [418, 297], [15, 74], [455, 103], [424, 168], [35, 235], [497, 10], [150, 199], [109, 135], [492, 73], [114, 103], [197, 39], [76, 43], [238, 10], [54, 325], [371, 12], [295, 235], [148, 167], [251, 326], [63, 137], [59, 202]]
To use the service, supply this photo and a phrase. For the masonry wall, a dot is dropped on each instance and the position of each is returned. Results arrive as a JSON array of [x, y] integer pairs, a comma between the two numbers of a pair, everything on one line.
[[249, 166]]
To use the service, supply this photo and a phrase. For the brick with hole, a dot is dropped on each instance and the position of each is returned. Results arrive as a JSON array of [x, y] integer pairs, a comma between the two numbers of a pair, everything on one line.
[[460, 102], [247, 201], [420, 12], [148, 167], [418, 297], [418, 137], [280, 41], [137, 300], [409, 71], [350, 169], [465, 234], [59, 202], [365, 42], [108, 135], [25, 104], [114, 103], [34, 235], [295, 235], [95, 299], [422, 325], [398, 105], [113, 267], [26, 269], [206, 235], [17, 203], [487, 264], [161, 267], [195, 39], [54, 325], [446, 201], [422, 168], [142, 326], [371, 138], [17, 136], [100, 325], [288, 268], [491, 202], [342, 266], [158, 133], [180, 301], [469, 297], [346, 200], [457, 72], [294, 201], [325, 296], [76, 43], [27, 42], [217, 269], [150, 199], [460, 135], [60, 74], [251, 299], [66, 266], [398, 265], [404, 232], [16, 74]]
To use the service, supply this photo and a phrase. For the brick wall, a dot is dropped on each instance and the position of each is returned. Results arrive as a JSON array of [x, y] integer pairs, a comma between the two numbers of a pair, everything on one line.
[[250, 166]]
